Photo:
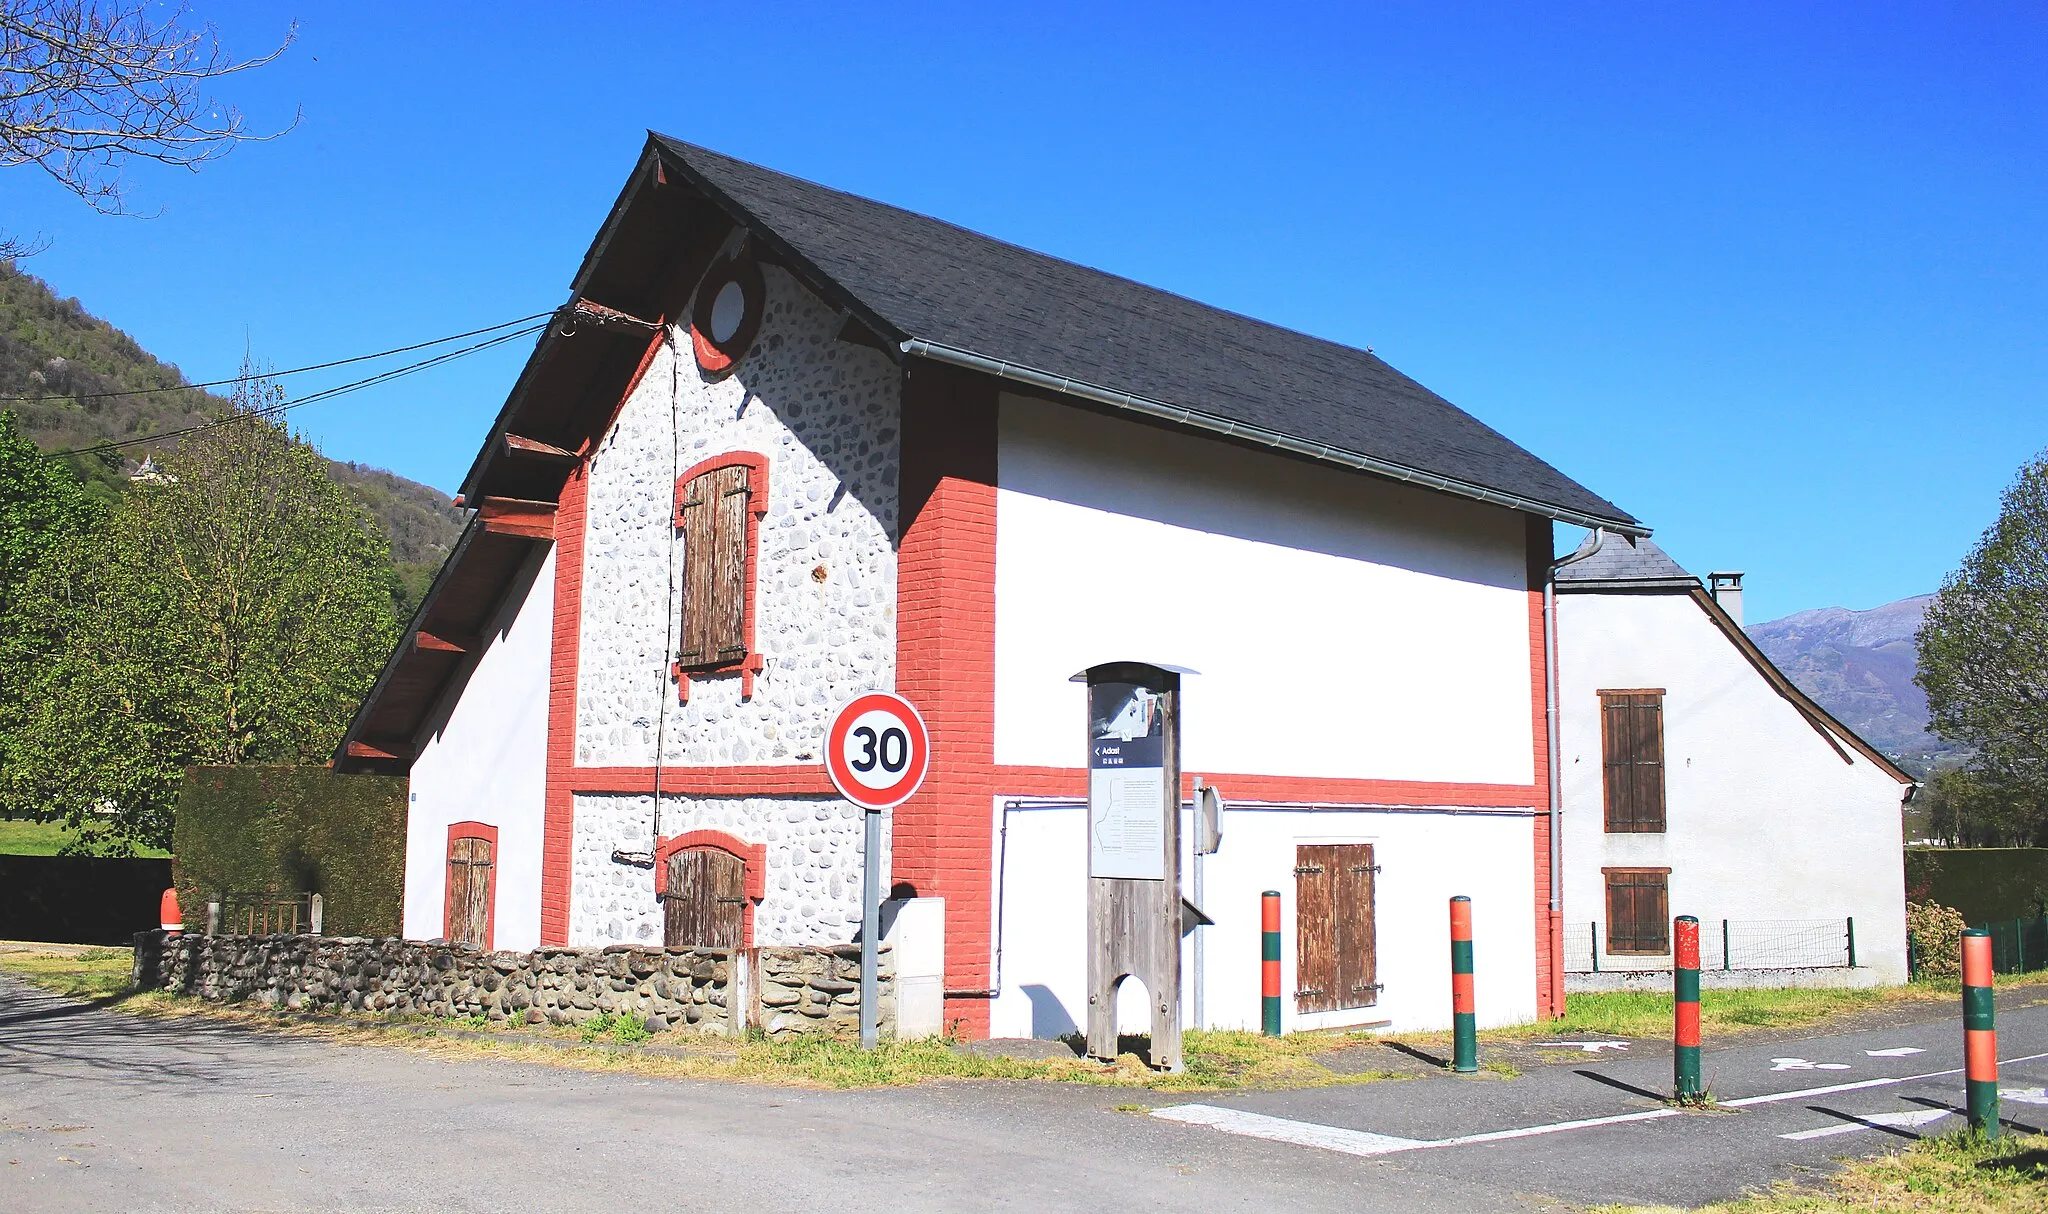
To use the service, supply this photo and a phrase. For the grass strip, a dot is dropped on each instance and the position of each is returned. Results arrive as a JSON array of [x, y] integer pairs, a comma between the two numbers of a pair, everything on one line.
[[1959, 1173]]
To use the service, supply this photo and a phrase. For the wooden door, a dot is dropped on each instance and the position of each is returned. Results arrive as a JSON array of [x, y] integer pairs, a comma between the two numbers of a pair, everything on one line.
[[706, 902], [1335, 958], [470, 862]]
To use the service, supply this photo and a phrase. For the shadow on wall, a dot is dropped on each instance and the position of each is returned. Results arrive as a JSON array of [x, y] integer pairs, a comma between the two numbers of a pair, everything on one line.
[[1049, 1018]]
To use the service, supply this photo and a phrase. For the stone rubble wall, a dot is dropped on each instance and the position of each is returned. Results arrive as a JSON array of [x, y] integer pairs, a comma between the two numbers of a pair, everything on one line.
[[784, 991]]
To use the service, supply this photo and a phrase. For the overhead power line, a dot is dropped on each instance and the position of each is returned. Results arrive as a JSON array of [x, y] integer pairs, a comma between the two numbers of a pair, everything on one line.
[[323, 395], [339, 362]]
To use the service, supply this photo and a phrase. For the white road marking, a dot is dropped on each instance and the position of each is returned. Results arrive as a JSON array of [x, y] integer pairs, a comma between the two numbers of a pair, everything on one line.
[[1903, 1051], [1588, 1047], [1801, 1064], [1917, 1117], [1281, 1129], [2024, 1095], [1361, 1142]]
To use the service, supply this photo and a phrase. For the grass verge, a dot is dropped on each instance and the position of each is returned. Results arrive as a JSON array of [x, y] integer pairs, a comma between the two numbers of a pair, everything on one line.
[[1215, 1060], [18, 838], [1955, 1174]]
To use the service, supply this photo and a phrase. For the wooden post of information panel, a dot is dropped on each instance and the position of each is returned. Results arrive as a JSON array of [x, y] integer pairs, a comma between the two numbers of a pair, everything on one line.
[[1980, 1034], [1135, 916]]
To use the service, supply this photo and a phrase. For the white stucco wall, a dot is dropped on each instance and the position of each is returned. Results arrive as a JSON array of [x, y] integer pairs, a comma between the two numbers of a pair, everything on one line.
[[826, 414], [1765, 821], [1343, 627], [485, 760], [1425, 859], [812, 893]]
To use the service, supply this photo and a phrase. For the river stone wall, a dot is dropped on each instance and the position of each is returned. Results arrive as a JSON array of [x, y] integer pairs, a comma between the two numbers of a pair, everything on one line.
[[785, 991]]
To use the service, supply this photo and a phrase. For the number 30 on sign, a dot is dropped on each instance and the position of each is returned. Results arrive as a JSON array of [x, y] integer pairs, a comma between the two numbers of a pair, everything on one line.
[[877, 750]]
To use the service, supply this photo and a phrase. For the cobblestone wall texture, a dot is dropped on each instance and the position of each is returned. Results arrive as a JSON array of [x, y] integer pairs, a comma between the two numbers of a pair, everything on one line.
[[812, 894], [827, 415], [794, 990]]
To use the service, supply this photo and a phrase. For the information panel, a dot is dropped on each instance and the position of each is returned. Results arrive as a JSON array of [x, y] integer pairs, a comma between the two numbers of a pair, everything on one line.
[[1126, 782]]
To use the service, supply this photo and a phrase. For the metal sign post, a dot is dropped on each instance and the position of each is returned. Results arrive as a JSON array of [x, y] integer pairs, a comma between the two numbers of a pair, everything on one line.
[[877, 752], [1136, 915]]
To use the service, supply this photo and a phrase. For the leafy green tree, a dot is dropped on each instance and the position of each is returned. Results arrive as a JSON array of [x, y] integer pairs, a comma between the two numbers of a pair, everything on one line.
[[235, 608], [42, 507], [1984, 657]]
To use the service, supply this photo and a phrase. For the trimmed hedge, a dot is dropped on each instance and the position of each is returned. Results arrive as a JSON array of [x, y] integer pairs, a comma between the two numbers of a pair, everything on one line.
[[293, 830], [80, 899], [1984, 883]]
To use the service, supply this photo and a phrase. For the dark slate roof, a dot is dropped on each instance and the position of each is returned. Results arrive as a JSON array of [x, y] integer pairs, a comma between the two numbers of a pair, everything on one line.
[[934, 282], [1640, 564]]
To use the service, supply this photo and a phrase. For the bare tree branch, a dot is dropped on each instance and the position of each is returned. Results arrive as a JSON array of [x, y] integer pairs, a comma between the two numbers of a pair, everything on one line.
[[87, 86]]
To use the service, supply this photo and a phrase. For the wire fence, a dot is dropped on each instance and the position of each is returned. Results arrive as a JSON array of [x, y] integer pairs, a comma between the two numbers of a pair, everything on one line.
[[2018, 946], [1728, 944]]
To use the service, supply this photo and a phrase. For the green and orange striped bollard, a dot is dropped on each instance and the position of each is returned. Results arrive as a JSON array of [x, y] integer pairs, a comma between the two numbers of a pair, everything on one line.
[[1464, 1021], [1685, 991], [1980, 1036], [1269, 962]]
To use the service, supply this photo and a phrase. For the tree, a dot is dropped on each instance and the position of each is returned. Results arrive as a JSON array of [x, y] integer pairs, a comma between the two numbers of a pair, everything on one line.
[[88, 85], [233, 609], [1984, 654], [42, 507]]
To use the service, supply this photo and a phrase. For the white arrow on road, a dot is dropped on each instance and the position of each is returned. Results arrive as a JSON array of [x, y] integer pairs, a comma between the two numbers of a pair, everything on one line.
[[1587, 1047], [1902, 1051], [1918, 1117], [2024, 1095]]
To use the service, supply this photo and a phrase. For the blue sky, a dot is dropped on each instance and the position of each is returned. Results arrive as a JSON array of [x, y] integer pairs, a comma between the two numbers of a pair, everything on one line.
[[1768, 276]]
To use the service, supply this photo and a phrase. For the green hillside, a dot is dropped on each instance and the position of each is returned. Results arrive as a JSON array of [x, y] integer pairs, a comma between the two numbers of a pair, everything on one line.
[[58, 355]]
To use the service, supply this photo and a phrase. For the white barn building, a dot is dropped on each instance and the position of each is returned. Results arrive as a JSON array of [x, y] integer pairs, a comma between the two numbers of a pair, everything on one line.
[[785, 445], [1697, 779]]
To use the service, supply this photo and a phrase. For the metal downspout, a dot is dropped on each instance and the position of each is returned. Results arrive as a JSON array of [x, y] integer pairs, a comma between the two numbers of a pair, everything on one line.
[[1550, 715]]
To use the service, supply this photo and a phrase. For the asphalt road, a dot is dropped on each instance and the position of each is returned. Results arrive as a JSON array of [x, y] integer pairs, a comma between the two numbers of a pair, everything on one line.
[[100, 1111]]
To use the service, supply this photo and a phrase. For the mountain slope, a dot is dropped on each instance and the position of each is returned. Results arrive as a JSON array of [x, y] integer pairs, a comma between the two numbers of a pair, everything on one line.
[[1860, 666], [53, 352]]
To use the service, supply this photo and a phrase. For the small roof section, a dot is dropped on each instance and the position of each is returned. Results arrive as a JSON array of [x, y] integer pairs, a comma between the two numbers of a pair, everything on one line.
[[1624, 563]]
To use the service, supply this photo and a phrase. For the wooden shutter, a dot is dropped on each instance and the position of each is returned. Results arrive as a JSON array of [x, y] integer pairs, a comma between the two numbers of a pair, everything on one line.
[[1315, 930], [1632, 760], [1357, 941], [713, 517], [1336, 957], [706, 902], [1638, 910], [468, 910]]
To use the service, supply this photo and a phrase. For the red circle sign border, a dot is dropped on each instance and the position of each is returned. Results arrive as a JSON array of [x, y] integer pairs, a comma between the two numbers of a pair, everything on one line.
[[835, 751]]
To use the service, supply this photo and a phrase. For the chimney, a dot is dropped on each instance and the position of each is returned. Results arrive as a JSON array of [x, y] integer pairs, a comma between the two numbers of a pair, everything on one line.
[[1727, 591]]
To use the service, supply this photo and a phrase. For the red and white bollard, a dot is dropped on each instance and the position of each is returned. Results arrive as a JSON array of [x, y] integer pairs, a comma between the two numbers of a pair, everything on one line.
[[172, 921]]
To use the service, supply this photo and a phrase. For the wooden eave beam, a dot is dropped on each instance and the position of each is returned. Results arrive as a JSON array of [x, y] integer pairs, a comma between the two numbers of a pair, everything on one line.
[[381, 750], [445, 642], [517, 516], [520, 447]]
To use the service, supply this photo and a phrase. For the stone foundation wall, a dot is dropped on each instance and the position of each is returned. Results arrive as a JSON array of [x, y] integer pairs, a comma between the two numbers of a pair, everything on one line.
[[784, 991]]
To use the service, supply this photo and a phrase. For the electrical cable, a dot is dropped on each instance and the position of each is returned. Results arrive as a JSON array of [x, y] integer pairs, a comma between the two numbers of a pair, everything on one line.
[[317, 397], [339, 362]]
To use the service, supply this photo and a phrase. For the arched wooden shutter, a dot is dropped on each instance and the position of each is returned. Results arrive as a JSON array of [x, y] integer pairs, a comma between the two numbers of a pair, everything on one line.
[[713, 516], [705, 902], [471, 862]]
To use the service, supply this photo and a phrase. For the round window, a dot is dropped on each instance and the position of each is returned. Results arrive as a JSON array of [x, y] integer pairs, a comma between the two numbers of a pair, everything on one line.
[[730, 300]]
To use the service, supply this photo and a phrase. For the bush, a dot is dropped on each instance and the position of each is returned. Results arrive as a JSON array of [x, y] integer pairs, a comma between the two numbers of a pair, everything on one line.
[[1936, 935], [294, 830]]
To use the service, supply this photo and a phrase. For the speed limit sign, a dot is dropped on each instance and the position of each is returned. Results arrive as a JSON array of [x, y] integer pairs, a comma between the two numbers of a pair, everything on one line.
[[877, 750]]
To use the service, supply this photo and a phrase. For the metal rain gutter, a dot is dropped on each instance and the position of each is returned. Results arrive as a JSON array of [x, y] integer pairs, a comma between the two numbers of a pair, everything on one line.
[[1550, 714], [1195, 419]]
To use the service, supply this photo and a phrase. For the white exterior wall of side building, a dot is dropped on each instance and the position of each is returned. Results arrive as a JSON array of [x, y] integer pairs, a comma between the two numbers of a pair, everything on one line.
[[1343, 628], [484, 759], [1765, 820]]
